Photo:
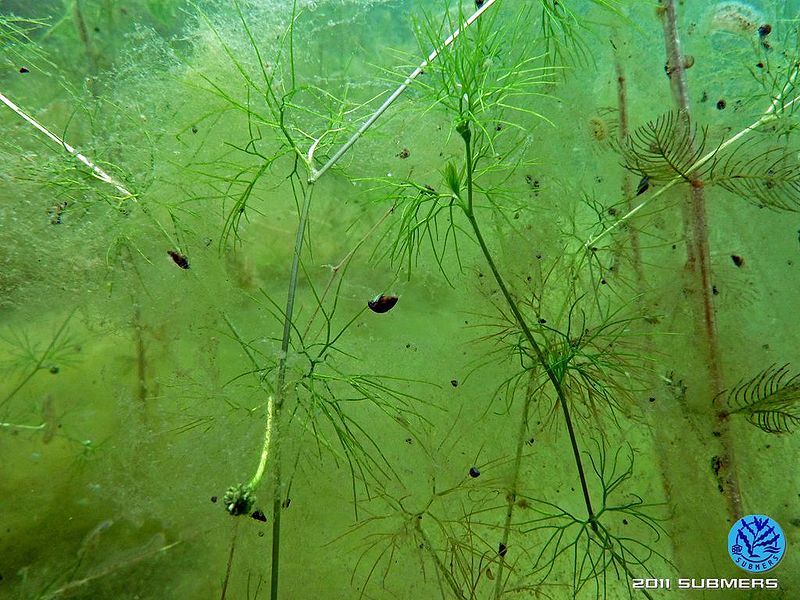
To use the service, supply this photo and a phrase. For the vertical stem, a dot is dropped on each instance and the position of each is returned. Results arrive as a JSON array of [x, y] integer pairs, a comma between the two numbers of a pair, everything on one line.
[[273, 418], [633, 234], [466, 134], [699, 260]]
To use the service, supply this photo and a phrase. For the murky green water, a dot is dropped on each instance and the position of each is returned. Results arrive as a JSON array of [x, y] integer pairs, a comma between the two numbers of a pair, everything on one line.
[[586, 252]]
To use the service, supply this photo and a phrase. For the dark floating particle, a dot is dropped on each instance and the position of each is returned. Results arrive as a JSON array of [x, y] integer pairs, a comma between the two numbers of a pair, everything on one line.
[[23, 70], [764, 30], [737, 260], [194, 128], [474, 472], [530, 442], [478, 3], [721, 104], [179, 259], [644, 185], [54, 369], [404, 153], [382, 303], [651, 399], [715, 290], [214, 499], [760, 65], [454, 382], [502, 549], [259, 516], [286, 503]]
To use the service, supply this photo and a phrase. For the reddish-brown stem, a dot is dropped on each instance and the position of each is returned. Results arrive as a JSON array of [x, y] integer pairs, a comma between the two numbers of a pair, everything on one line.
[[698, 259]]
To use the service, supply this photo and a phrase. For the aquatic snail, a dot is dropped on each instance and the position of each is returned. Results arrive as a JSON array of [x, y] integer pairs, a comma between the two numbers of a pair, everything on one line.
[[382, 303]]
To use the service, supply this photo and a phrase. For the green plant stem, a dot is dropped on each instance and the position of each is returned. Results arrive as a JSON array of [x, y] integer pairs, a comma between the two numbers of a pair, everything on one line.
[[440, 567], [541, 358], [271, 441]]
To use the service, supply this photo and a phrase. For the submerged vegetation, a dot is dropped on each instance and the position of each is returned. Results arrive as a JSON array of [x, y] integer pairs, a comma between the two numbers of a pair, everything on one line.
[[448, 305]]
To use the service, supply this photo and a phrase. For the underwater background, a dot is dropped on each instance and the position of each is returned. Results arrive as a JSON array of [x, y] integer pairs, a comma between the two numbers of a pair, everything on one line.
[[533, 335]]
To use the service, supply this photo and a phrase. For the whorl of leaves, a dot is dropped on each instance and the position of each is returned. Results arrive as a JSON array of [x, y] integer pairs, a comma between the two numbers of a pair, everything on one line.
[[770, 400]]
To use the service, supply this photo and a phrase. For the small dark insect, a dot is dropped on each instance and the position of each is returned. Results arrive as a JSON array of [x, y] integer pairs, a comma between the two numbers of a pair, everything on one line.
[[214, 499], [541, 321], [737, 260], [23, 70], [454, 382], [714, 290], [502, 549], [624, 521], [382, 303], [474, 472], [404, 153], [644, 185], [179, 259], [259, 516], [721, 104], [764, 30], [760, 65], [651, 399]]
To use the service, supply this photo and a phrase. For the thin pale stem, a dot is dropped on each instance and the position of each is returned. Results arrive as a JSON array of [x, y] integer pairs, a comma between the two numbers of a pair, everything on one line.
[[98, 172], [394, 95]]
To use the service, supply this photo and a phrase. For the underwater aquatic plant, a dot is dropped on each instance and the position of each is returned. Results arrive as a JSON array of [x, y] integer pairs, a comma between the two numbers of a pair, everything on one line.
[[770, 400]]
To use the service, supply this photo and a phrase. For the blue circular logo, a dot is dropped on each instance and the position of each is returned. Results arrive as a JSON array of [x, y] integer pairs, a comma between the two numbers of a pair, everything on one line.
[[756, 543]]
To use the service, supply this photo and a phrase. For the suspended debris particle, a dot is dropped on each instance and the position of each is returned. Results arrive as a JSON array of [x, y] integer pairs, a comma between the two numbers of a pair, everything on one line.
[[760, 65], [651, 399], [721, 104], [502, 549], [764, 30], [603, 281], [194, 128], [624, 521], [54, 370], [56, 211], [478, 3], [474, 472], [404, 153], [259, 516], [382, 303], [454, 382], [704, 97], [489, 574], [644, 185], [23, 70], [598, 129], [688, 61], [530, 442], [214, 499], [286, 503], [714, 290], [542, 321], [737, 260], [179, 259]]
